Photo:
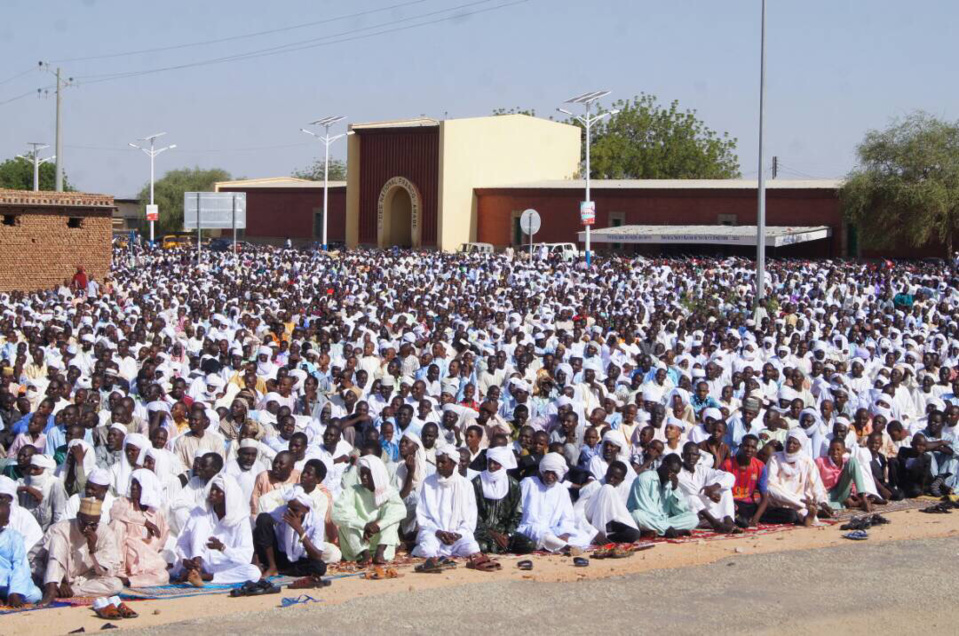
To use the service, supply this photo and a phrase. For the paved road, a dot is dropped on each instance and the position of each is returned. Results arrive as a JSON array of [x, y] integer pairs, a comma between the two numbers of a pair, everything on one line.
[[853, 589]]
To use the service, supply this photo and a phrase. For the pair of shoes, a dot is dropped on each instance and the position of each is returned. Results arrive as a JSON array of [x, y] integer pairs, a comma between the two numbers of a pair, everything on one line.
[[938, 509], [309, 583], [857, 523], [525, 565], [879, 520], [112, 609], [255, 588]]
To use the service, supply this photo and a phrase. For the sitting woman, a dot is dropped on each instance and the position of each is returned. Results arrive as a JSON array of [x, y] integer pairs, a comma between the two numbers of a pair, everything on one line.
[[141, 530], [216, 544], [843, 478]]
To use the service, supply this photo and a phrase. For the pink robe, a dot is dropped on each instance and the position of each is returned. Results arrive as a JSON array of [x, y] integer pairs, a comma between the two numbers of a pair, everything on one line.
[[140, 556]]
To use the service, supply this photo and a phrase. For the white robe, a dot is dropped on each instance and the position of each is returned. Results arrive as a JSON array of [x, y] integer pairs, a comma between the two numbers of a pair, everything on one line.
[[447, 504]]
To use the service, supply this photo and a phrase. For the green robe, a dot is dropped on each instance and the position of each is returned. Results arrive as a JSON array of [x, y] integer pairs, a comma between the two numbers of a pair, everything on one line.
[[657, 507], [355, 508], [502, 516]]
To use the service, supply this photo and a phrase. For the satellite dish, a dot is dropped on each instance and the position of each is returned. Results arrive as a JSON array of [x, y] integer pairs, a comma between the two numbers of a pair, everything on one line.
[[530, 222]]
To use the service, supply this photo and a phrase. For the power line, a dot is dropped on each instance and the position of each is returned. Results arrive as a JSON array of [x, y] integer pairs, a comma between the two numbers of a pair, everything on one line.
[[35, 91], [313, 42], [293, 27], [197, 151], [18, 75]]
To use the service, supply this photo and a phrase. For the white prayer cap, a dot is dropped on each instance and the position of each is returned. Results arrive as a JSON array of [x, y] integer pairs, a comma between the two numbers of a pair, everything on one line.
[[678, 423], [712, 413], [264, 351], [299, 495], [8, 487], [554, 463], [502, 455], [215, 380], [249, 442], [387, 380], [42, 461], [448, 450], [119, 427], [99, 477], [614, 437]]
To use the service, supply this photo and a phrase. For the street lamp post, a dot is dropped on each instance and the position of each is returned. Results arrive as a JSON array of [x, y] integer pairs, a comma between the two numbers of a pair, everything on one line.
[[587, 120], [761, 214], [152, 153], [326, 123], [34, 156]]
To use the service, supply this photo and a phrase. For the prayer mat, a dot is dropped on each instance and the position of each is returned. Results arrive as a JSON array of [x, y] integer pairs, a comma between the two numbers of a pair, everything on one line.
[[4, 610], [183, 590]]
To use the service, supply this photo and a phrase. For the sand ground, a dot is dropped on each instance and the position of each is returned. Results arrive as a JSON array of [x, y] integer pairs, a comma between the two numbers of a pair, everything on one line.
[[765, 580]]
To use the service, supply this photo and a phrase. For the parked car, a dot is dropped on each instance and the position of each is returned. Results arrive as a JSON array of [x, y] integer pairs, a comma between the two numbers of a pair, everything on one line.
[[566, 251], [476, 248], [221, 245]]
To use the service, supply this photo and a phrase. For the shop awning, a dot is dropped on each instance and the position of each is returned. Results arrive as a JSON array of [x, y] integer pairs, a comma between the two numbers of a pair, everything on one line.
[[743, 235]]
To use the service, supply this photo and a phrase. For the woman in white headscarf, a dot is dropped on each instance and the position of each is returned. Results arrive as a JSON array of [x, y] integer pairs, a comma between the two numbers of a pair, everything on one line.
[[216, 544], [794, 481], [368, 514], [134, 449], [41, 493], [614, 448], [498, 509], [141, 530], [548, 517]]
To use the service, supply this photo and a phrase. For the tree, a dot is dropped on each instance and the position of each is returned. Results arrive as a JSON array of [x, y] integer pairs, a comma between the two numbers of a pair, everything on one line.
[[646, 140], [516, 111], [168, 194], [17, 174], [315, 171], [906, 184]]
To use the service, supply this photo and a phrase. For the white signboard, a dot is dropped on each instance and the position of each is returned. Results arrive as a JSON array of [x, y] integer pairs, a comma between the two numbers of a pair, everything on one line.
[[153, 212], [217, 210]]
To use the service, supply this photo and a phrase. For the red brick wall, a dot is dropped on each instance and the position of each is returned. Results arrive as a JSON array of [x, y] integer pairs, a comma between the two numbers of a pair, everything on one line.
[[41, 251], [280, 213], [559, 209], [412, 153]]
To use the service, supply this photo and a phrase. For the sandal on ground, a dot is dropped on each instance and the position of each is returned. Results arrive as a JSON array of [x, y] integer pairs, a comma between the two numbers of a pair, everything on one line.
[[108, 612], [580, 562], [379, 573], [247, 589], [857, 535], [125, 611], [526, 565], [265, 587], [879, 520], [302, 599], [429, 566], [483, 563], [308, 583]]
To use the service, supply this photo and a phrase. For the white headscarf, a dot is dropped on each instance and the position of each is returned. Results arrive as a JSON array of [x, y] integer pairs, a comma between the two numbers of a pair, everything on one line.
[[554, 463], [89, 458], [237, 510], [419, 472], [381, 478], [149, 488], [800, 437], [496, 484], [290, 541], [43, 481]]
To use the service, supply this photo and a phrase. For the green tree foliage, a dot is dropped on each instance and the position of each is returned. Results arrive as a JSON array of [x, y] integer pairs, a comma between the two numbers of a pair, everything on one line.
[[168, 194], [907, 183], [17, 174], [516, 111], [646, 140], [315, 171]]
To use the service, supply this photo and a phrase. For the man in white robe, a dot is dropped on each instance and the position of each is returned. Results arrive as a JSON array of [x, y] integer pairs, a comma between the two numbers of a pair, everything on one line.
[[708, 492], [216, 544], [548, 516], [446, 513]]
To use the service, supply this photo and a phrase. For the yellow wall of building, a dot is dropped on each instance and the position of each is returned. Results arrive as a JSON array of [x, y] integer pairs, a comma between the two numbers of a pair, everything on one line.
[[352, 190], [496, 151]]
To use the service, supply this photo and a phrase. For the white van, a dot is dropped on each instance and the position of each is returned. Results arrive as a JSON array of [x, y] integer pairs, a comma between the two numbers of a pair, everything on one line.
[[566, 251], [476, 248]]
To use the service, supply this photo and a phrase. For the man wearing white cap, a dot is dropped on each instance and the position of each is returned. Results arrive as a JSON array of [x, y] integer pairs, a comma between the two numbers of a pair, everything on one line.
[[97, 487], [42, 493], [446, 513]]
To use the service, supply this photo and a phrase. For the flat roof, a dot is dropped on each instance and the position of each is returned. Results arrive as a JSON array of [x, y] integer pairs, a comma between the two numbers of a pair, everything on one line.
[[674, 184], [776, 236], [275, 182], [46, 198], [419, 122]]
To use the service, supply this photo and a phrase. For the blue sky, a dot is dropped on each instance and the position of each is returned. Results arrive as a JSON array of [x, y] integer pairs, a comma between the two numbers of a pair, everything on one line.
[[836, 68]]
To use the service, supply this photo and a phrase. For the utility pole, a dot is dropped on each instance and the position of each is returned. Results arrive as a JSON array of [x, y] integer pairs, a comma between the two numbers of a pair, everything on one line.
[[326, 123], [61, 84], [775, 167], [587, 121], [151, 153], [34, 156], [59, 155]]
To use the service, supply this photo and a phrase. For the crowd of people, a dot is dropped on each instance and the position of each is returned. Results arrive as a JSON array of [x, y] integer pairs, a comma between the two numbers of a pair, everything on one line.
[[277, 411]]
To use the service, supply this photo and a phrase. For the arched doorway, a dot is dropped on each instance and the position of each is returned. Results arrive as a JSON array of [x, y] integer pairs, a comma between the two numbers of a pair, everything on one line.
[[398, 214], [401, 218]]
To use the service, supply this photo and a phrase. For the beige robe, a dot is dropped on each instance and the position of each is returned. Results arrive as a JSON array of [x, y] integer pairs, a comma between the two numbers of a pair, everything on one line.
[[69, 559]]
